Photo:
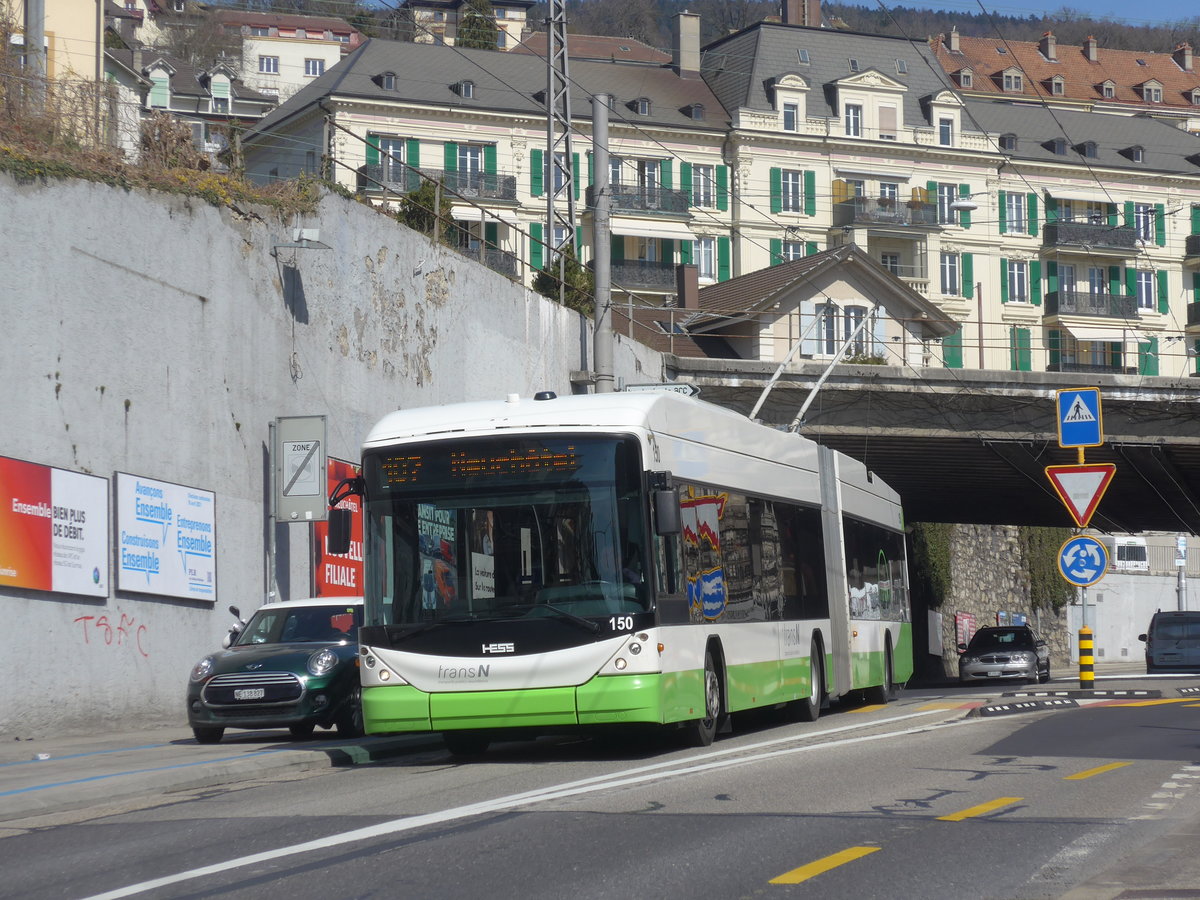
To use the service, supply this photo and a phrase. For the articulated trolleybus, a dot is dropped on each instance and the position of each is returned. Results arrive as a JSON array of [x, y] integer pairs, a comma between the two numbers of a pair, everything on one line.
[[615, 559]]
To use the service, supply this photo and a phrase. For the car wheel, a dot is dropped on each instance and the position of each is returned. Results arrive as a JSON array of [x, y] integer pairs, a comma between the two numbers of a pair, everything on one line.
[[302, 731], [808, 709], [700, 732], [350, 719], [208, 735], [1043, 677], [466, 743]]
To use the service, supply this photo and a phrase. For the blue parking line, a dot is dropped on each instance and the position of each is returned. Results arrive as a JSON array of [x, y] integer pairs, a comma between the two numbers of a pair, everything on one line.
[[27, 762]]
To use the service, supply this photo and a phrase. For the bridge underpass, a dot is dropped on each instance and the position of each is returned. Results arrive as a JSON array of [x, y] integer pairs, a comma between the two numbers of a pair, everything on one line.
[[970, 446]]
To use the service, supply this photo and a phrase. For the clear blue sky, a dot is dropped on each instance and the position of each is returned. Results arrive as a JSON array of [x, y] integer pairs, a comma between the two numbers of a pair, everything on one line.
[[1158, 12]]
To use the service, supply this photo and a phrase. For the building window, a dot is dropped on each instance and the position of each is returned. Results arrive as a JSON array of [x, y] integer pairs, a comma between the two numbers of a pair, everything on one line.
[[1058, 146], [703, 180], [1145, 289], [946, 132], [792, 183], [1014, 82], [391, 155], [643, 106], [1057, 87], [260, 31], [791, 114], [951, 285], [802, 56], [314, 67], [1018, 281], [501, 39], [614, 171], [853, 64], [470, 161], [889, 190], [1143, 221], [1008, 142], [793, 250], [268, 65], [706, 258], [1088, 149], [1152, 93], [946, 195], [562, 235], [388, 81], [965, 79], [853, 115], [466, 90], [901, 67], [1014, 212], [696, 111], [1137, 154], [220, 104], [891, 262]]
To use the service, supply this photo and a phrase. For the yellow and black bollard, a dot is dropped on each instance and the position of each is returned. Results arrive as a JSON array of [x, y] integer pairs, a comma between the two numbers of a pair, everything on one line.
[[1087, 662]]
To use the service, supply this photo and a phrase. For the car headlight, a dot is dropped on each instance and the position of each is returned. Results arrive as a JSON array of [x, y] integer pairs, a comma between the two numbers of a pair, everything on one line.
[[203, 669], [1022, 657], [322, 662], [967, 660]]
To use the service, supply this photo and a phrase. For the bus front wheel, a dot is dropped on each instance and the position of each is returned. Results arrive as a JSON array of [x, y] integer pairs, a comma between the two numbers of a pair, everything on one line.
[[808, 709], [465, 743], [700, 732], [883, 693]]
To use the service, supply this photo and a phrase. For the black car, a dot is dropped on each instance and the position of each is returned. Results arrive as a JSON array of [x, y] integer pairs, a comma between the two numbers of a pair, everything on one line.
[[294, 665]]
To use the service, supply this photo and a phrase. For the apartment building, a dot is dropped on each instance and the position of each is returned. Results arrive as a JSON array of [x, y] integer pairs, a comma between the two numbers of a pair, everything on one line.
[[436, 21], [1060, 239]]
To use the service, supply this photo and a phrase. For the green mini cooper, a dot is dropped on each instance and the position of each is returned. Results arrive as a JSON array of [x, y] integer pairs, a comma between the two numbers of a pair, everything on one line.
[[294, 665]]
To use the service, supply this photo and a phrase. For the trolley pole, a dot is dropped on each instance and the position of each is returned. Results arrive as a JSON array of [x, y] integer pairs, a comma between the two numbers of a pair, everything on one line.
[[1087, 662]]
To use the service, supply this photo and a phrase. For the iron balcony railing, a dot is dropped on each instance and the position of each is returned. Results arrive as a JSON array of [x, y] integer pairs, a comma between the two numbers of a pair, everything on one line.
[[871, 211], [1082, 303], [648, 200], [643, 274], [1191, 245], [1094, 236], [473, 185], [1090, 368], [1193, 314]]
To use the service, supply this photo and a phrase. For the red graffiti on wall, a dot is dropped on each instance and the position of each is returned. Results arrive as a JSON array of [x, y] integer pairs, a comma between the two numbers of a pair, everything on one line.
[[127, 631]]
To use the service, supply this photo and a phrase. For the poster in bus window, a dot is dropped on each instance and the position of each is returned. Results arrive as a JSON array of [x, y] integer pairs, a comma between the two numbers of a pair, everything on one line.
[[339, 574], [437, 536], [701, 516], [483, 554], [54, 533]]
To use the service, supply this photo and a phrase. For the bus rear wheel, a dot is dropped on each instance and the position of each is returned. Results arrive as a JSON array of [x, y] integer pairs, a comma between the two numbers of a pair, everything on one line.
[[808, 709], [466, 743], [883, 693], [700, 732]]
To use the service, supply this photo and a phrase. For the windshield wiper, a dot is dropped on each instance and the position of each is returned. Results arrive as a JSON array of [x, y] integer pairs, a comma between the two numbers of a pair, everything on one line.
[[586, 624]]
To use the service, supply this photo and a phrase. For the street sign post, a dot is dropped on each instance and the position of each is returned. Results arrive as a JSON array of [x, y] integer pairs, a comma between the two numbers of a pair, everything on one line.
[[1082, 560], [1079, 420], [1081, 488]]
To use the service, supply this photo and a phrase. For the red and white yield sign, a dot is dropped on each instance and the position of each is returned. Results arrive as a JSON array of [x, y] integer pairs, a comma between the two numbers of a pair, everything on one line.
[[1081, 487]]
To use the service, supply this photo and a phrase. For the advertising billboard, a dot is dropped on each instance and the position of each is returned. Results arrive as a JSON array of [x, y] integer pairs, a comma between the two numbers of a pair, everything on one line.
[[53, 529], [339, 574], [166, 538]]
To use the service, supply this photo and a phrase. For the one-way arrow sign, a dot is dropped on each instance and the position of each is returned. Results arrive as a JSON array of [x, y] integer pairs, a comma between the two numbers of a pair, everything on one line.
[[1081, 487]]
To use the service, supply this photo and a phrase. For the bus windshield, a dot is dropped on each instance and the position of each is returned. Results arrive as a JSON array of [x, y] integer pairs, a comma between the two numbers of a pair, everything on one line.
[[501, 528]]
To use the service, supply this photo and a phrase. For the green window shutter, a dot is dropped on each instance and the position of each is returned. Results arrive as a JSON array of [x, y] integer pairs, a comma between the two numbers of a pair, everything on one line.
[[722, 187], [1164, 300], [686, 249], [450, 157], [776, 251], [536, 172], [1131, 282], [491, 233], [489, 159], [810, 192], [932, 188], [664, 174], [1022, 343], [1035, 282], [1196, 286], [1051, 210], [372, 149], [575, 173], [412, 152], [220, 89], [1054, 348], [591, 178], [1160, 225], [685, 180], [1112, 215], [1003, 280], [1128, 213], [1114, 280], [952, 357], [617, 251], [810, 248], [578, 241], [776, 190], [667, 257], [1196, 218], [964, 216], [1114, 354], [1051, 276], [1031, 206], [1148, 357], [1003, 212], [968, 275], [722, 259], [160, 92], [536, 250]]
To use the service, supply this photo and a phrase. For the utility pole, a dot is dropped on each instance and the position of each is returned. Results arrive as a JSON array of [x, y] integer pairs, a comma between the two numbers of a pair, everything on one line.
[[602, 351], [35, 53], [560, 165]]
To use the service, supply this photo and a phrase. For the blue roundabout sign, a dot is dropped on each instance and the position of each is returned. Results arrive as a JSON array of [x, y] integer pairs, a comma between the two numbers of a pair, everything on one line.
[[1082, 560]]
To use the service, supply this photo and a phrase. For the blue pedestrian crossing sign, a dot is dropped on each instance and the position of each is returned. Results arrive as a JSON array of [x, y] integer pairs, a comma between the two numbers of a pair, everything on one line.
[[1079, 421], [1082, 560]]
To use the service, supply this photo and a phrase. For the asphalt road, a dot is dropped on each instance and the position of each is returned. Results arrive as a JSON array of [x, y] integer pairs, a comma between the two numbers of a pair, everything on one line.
[[922, 798]]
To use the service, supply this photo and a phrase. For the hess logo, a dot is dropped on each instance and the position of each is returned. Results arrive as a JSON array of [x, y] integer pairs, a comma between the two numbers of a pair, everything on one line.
[[499, 648]]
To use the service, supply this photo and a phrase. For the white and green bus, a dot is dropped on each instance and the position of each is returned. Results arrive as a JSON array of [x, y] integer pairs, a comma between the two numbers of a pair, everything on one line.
[[554, 563]]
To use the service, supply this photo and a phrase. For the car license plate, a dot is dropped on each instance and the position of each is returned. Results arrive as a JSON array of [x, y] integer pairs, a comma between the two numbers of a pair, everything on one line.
[[993, 674], [249, 693]]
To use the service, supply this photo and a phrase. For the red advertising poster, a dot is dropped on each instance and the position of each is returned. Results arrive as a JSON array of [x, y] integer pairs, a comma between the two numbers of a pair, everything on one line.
[[964, 626], [53, 529], [337, 574]]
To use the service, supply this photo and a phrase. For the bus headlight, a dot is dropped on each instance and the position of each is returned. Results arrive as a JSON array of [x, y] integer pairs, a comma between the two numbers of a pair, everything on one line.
[[635, 648], [619, 663]]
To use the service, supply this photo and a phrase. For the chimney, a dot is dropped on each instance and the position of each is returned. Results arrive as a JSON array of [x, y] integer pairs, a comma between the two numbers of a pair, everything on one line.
[[952, 41], [1047, 46], [687, 286], [1089, 49], [137, 57], [685, 44], [1183, 56], [801, 12]]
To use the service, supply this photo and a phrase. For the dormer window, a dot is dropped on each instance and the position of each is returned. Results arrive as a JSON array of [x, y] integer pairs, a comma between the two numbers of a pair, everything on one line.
[[387, 81], [465, 89], [1008, 143], [1058, 87], [791, 117], [854, 66], [642, 106], [1058, 146], [696, 111], [1152, 92], [1195, 97], [966, 78], [1088, 149], [802, 56], [901, 67], [1014, 82], [1108, 90], [1135, 154]]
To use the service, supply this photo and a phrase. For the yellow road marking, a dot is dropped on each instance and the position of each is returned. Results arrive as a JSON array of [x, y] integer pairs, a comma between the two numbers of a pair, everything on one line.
[[815, 868], [1099, 770], [1151, 702], [980, 809], [870, 708]]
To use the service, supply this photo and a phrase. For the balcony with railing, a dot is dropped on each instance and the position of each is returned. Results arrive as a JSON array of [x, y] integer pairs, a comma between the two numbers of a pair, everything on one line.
[[485, 186], [1092, 368], [1191, 251], [650, 200], [1093, 306], [1114, 240], [1193, 316], [885, 213], [642, 273]]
